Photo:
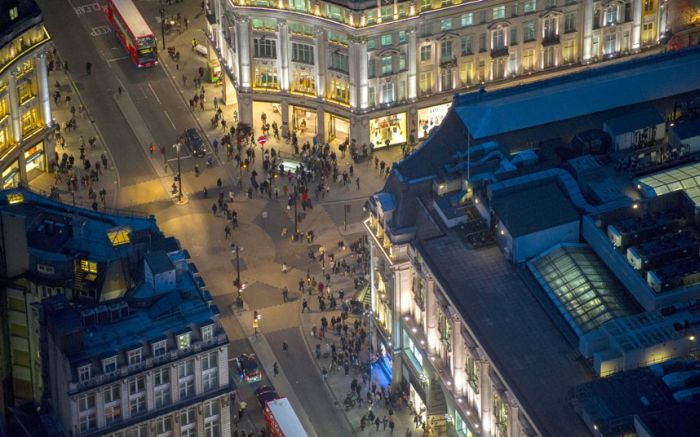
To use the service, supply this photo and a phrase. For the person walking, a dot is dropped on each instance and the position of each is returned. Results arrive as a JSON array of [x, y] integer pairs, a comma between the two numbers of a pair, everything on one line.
[[276, 369], [88, 68], [285, 294], [213, 208], [227, 231], [304, 306], [285, 346], [241, 410], [284, 267]]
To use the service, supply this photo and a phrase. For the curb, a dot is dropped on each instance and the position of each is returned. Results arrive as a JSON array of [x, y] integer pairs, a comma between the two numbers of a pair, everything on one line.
[[99, 135]]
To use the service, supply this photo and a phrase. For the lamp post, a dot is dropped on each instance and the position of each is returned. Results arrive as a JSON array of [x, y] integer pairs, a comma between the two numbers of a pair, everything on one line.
[[296, 217], [162, 23], [177, 147], [237, 282]]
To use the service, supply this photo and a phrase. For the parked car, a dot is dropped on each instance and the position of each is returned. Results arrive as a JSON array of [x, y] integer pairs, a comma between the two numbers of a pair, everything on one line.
[[265, 394], [248, 369], [195, 142]]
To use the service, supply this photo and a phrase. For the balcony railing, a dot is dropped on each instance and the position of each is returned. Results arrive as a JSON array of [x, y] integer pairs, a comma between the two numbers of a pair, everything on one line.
[[499, 52], [448, 62], [550, 40], [123, 371]]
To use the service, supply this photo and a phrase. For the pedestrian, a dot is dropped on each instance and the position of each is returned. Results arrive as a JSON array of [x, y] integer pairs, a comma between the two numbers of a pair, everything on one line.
[[276, 368], [385, 422], [357, 181], [241, 410], [227, 231], [377, 422], [196, 170], [304, 306], [184, 80], [214, 208], [285, 294], [284, 267], [285, 346], [187, 24], [88, 68], [152, 148]]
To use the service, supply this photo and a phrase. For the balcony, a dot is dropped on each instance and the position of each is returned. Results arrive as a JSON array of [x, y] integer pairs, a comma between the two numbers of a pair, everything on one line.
[[448, 62], [550, 40], [499, 52]]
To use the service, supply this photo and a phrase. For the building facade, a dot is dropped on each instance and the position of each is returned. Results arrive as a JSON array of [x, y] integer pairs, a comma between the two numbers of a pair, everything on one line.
[[26, 126], [385, 72]]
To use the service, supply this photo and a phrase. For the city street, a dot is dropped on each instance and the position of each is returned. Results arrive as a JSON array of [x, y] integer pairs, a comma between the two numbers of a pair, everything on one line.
[[152, 109]]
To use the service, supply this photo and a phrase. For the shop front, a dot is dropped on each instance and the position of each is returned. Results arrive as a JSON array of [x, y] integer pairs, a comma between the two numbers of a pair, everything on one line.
[[431, 117], [268, 111], [388, 131], [338, 127], [303, 120], [35, 160], [11, 175]]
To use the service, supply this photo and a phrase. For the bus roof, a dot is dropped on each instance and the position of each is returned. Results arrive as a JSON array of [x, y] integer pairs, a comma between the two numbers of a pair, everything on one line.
[[286, 419], [133, 18]]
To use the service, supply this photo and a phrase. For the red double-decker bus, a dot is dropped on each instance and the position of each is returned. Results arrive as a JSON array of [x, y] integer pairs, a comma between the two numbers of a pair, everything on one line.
[[133, 32]]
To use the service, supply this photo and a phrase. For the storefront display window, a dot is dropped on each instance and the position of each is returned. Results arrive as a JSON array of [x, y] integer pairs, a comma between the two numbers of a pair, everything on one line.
[[303, 120], [304, 83], [11, 176], [35, 158], [6, 143], [413, 352], [431, 117], [500, 411], [30, 121], [266, 77], [388, 131], [340, 91], [461, 427]]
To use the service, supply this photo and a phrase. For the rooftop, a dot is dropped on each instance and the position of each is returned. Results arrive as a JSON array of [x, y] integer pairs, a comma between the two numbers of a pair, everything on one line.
[[573, 95], [687, 129], [159, 262], [533, 208], [685, 177], [528, 350], [634, 121], [28, 14], [582, 288]]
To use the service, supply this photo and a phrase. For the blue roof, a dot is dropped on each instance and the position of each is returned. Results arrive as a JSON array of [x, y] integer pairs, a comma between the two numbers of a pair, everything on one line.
[[633, 121], [574, 95], [687, 129]]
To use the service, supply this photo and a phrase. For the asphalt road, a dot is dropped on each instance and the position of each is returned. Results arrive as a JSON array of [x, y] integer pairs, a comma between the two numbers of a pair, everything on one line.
[[90, 39]]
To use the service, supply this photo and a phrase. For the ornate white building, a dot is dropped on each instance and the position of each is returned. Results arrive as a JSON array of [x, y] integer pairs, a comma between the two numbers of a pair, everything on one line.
[[26, 127], [386, 71]]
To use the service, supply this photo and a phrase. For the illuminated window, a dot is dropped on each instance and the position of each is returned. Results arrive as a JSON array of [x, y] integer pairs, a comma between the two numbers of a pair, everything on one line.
[[300, 5], [339, 62], [467, 19], [387, 40], [119, 236], [14, 13], [340, 91], [426, 52], [265, 48], [499, 12], [88, 266], [426, 5], [446, 24], [183, 341], [14, 198], [25, 90], [402, 36], [446, 51], [160, 348], [387, 64], [648, 35], [426, 83], [4, 107], [371, 44], [530, 6], [569, 51], [529, 31], [649, 6], [266, 24], [30, 121], [387, 13], [266, 77], [570, 22], [207, 332], [303, 53]]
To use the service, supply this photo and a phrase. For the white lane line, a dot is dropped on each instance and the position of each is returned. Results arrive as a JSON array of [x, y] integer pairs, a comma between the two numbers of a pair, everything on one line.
[[181, 157], [116, 59], [155, 95], [121, 84], [169, 119]]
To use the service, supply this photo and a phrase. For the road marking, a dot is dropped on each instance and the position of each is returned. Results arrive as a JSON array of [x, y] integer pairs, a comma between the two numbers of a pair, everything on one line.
[[155, 95], [100, 30], [169, 119], [116, 59], [88, 8], [188, 156]]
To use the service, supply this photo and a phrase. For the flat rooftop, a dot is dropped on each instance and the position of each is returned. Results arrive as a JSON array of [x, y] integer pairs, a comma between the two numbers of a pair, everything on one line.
[[528, 350]]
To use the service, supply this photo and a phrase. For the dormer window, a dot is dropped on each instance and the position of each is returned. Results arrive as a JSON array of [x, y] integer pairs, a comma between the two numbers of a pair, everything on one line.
[[134, 356], [84, 373], [183, 341], [207, 333], [109, 365], [160, 348]]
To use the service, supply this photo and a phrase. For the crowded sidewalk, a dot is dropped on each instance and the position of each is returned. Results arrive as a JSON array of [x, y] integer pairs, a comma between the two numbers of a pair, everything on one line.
[[81, 172]]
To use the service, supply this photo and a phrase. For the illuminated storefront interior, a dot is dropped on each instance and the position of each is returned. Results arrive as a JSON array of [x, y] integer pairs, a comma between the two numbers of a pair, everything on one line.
[[431, 117], [388, 131]]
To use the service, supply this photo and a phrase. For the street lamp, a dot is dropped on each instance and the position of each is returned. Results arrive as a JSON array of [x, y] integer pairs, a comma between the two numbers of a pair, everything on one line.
[[296, 217], [237, 282], [177, 147], [162, 23]]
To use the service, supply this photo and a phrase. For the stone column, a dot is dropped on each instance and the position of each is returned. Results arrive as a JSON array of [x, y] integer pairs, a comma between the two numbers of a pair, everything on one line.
[[284, 109], [353, 71], [321, 124], [514, 428], [412, 64], [150, 391], [124, 399], [198, 374], [14, 107], [362, 76], [458, 357], [245, 109], [486, 391], [225, 416], [663, 16], [218, 13], [44, 90], [431, 331], [636, 24], [174, 386], [587, 30], [243, 48], [283, 47], [223, 366], [320, 62], [100, 407]]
